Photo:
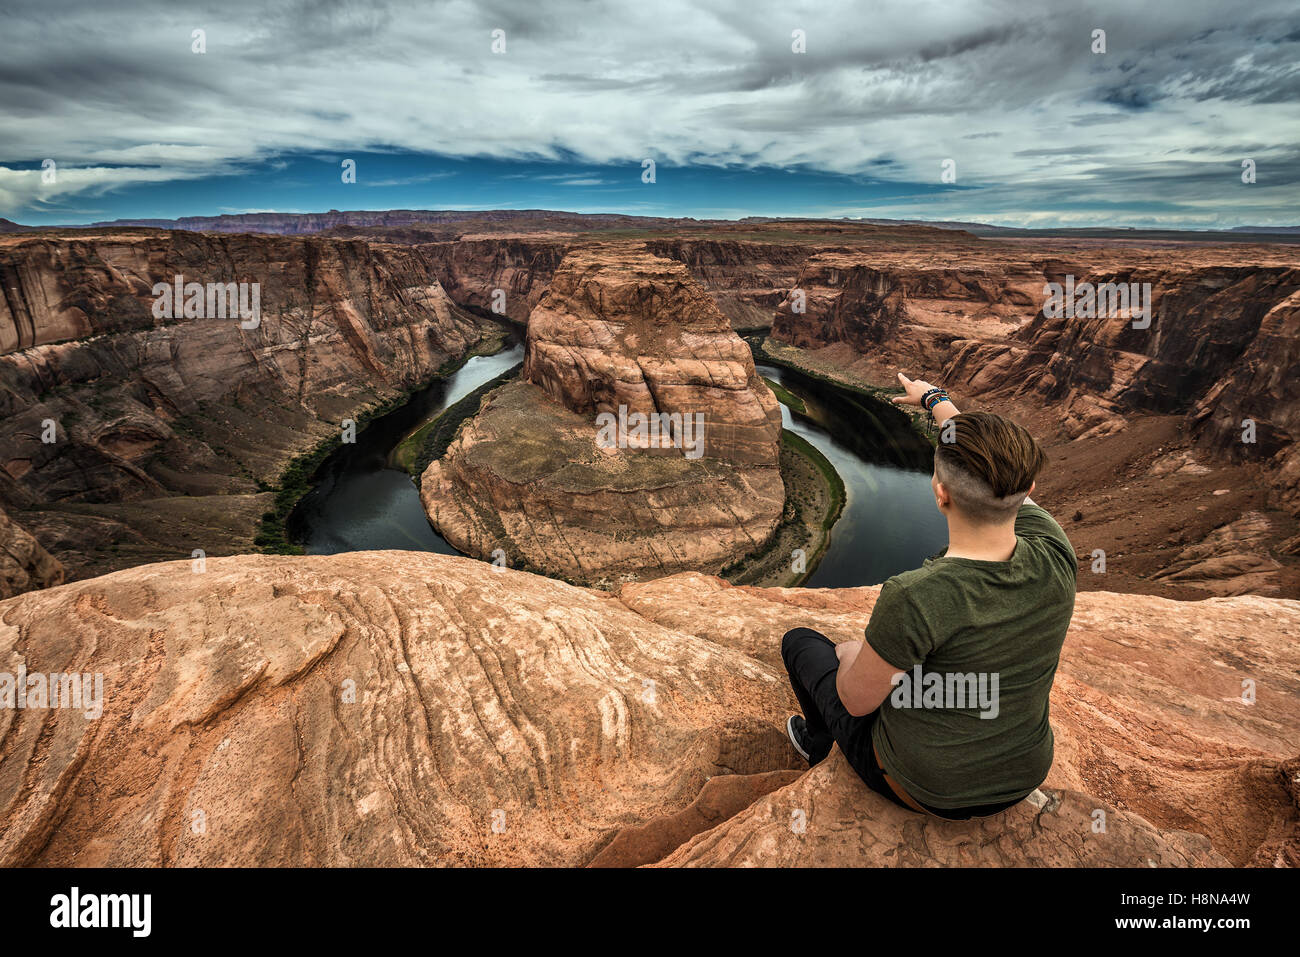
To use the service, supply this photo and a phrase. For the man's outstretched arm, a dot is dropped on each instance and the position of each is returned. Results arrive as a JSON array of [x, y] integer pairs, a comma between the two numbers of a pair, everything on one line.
[[913, 389]]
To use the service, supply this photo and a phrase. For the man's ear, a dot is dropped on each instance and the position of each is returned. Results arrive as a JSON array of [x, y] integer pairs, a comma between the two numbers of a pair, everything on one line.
[[1032, 485], [941, 494]]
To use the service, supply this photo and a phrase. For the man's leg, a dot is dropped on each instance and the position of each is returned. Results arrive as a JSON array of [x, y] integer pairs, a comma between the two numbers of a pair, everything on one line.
[[812, 664]]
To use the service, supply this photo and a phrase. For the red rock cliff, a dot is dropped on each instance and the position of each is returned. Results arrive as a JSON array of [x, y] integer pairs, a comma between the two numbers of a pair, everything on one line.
[[390, 708], [162, 427]]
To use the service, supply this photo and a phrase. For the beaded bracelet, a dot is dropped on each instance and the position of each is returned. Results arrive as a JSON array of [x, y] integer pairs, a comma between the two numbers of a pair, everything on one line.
[[938, 394]]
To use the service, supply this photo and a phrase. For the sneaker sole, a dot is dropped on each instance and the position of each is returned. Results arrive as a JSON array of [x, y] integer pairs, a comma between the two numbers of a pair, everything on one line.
[[789, 730]]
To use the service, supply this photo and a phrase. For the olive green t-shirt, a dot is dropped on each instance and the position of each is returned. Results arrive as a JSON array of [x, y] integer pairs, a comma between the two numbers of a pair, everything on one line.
[[986, 637]]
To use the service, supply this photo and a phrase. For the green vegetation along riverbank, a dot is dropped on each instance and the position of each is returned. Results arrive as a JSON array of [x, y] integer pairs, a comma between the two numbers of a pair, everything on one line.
[[814, 499], [785, 396], [430, 440]]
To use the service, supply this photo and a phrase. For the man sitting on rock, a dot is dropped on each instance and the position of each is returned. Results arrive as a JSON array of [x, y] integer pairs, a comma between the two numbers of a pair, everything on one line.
[[976, 633]]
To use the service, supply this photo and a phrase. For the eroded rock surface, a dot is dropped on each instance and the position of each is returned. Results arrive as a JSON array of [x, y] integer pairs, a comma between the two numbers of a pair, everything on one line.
[[166, 427], [393, 708], [1209, 371], [387, 709], [619, 328], [525, 477], [1181, 712], [829, 818]]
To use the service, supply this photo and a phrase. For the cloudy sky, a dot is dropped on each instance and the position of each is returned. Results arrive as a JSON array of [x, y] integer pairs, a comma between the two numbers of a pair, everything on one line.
[[1041, 130]]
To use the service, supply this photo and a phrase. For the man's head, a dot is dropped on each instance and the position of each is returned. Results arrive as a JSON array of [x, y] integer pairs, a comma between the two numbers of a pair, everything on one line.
[[987, 470]]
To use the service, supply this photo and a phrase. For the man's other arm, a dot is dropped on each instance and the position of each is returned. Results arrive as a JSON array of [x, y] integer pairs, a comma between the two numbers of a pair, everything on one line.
[[864, 679]]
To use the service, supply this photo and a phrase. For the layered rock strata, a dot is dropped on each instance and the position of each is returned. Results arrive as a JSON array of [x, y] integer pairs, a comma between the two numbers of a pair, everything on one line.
[[133, 432], [1198, 371]]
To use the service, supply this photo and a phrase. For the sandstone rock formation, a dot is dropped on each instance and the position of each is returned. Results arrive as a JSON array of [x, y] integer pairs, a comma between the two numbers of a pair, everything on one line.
[[847, 298], [1259, 384], [854, 827], [1231, 560], [162, 428], [166, 427], [534, 478], [882, 296], [1221, 335], [483, 273], [391, 708], [746, 279], [24, 564], [1213, 331], [478, 252], [620, 328], [526, 477]]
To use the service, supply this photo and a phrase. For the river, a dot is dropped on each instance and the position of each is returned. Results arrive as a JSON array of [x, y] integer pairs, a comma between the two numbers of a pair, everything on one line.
[[359, 502], [889, 523]]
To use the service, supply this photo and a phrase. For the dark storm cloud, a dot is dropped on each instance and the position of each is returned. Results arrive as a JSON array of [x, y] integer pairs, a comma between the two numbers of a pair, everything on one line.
[[1011, 92]]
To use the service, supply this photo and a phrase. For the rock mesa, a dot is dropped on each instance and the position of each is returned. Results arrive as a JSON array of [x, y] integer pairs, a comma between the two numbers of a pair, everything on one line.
[[618, 333]]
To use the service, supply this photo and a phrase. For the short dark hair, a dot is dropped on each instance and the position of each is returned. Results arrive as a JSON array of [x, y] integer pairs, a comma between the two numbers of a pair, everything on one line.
[[988, 465]]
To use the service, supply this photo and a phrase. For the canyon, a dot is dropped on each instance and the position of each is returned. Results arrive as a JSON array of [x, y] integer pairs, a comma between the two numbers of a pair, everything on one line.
[[406, 708], [1144, 427], [1188, 424], [129, 438]]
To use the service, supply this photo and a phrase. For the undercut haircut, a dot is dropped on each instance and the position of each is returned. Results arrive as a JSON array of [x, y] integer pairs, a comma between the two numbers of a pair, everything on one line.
[[988, 466]]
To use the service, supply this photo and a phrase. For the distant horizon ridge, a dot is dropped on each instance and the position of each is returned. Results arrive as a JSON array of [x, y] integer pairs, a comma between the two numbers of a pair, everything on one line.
[[414, 217]]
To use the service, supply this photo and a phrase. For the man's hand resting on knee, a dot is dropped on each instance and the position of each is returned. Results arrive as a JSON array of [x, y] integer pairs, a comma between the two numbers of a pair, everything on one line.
[[847, 651]]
